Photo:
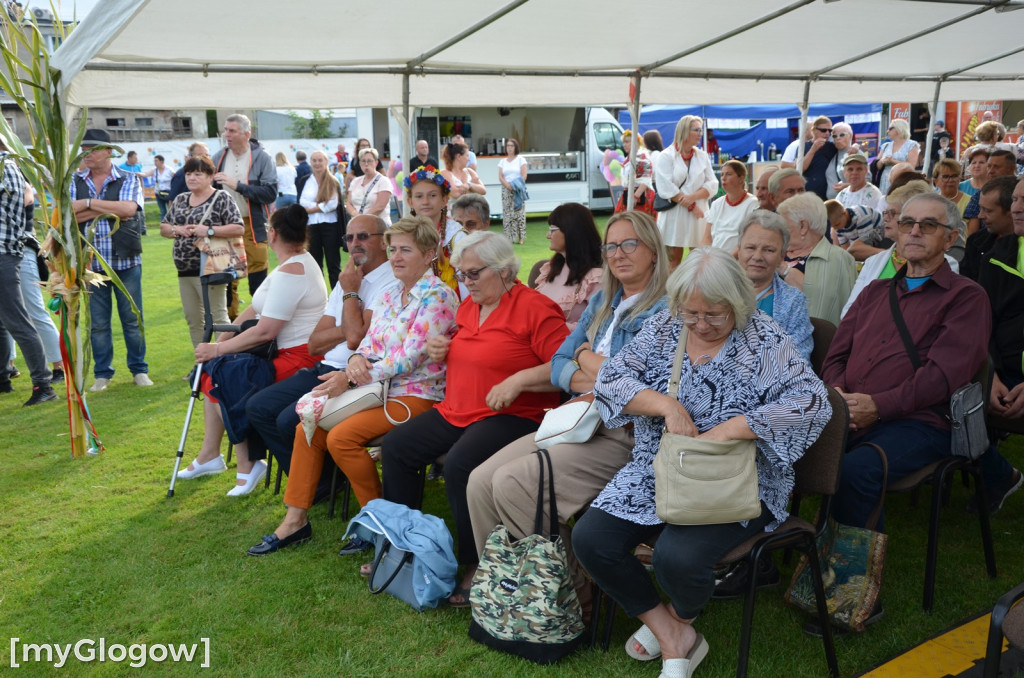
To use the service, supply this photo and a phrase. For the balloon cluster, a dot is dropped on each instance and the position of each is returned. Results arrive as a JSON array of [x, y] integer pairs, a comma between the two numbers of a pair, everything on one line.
[[611, 166]]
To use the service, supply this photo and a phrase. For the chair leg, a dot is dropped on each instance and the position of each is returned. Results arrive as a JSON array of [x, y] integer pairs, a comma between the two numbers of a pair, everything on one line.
[[983, 519], [334, 491], [597, 596], [277, 481], [819, 596], [345, 499], [994, 647], [609, 622], [270, 468], [748, 615], [231, 449]]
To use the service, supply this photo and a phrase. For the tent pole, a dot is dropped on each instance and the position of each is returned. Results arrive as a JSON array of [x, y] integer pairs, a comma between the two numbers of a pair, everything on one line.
[[410, 141], [932, 109], [634, 112], [803, 128]]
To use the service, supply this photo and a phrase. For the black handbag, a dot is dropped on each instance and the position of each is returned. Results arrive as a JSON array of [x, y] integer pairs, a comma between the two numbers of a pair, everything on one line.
[[663, 204], [968, 432]]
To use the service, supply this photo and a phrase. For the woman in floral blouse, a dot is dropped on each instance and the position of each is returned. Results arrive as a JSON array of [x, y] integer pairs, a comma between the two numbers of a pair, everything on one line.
[[741, 378], [395, 347]]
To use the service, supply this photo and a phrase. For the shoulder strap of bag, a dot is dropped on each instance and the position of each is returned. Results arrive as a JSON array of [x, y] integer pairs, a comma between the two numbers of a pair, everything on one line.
[[209, 208], [538, 526], [406, 558], [677, 364], [369, 189], [901, 325]]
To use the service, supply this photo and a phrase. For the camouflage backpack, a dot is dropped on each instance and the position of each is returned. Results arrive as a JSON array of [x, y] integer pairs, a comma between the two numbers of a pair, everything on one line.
[[522, 597]]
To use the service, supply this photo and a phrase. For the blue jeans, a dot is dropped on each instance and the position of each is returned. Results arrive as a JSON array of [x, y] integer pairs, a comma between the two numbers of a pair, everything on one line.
[[100, 307], [909, 444], [33, 298], [285, 200]]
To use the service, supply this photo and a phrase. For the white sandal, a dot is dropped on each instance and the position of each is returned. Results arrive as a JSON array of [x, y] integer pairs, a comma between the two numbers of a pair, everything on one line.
[[646, 639], [684, 668], [252, 479]]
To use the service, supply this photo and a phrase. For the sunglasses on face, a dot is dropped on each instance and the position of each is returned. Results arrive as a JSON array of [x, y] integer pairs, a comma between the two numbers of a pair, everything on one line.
[[926, 226], [824, 130], [361, 237]]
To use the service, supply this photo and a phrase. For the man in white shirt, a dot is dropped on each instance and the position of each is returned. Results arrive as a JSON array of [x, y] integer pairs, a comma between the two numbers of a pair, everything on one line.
[[343, 325], [858, 191]]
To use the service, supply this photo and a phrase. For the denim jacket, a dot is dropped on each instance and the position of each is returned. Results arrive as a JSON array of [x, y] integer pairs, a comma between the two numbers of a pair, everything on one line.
[[562, 366]]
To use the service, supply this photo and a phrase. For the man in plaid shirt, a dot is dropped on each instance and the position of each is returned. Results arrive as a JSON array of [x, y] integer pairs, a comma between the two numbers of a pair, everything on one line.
[[13, 316], [91, 204]]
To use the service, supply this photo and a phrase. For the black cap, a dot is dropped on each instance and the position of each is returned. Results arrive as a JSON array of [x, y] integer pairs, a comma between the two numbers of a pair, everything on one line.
[[96, 137]]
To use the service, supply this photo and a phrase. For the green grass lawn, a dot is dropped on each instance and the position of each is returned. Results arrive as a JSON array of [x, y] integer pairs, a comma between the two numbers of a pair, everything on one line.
[[93, 548]]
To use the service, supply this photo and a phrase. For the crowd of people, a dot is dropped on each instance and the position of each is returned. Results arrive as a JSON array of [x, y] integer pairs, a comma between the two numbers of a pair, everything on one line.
[[473, 357]]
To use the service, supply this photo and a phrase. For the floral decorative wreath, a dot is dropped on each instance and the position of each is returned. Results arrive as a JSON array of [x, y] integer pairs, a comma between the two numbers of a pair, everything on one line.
[[426, 173]]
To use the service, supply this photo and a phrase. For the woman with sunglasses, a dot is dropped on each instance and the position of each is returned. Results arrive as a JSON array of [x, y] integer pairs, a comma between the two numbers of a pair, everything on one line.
[[498, 386], [504, 488], [573, 274], [395, 347], [741, 379]]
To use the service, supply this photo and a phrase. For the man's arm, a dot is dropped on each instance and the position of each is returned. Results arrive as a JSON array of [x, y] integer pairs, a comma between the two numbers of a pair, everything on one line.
[[326, 335], [261, 188]]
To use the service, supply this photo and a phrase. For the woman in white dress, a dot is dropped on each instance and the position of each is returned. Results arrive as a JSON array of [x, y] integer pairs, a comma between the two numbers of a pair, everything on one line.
[[684, 175]]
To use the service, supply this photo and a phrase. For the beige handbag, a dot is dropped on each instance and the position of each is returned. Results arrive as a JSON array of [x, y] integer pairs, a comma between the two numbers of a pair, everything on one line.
[[359, 399], [703, 482]]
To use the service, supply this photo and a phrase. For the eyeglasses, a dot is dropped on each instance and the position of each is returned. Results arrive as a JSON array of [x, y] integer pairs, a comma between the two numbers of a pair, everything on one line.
[[926, 226], [891, 213], [948, 177], [628, 247], [841, 134], [463, 276], [824, 130], [361, 237], [892, 127], [713, 320], [552, 229]]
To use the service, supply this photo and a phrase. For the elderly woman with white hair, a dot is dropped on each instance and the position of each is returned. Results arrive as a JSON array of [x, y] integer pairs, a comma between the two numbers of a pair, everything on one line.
[[498, 385], [899, 148], [824, 272], [741, 379], [764, 238]]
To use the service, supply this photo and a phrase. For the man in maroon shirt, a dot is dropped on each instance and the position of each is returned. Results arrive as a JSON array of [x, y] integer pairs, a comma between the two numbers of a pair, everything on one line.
[[892, 404]]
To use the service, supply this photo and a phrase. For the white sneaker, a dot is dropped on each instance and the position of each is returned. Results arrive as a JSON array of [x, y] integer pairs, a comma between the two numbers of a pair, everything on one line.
[[252, 479], [142, 379], [100, 384], [209, 468]]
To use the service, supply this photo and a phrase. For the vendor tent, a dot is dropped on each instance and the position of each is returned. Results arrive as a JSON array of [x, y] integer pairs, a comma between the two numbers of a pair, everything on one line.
[[777, 126], [328, 53]]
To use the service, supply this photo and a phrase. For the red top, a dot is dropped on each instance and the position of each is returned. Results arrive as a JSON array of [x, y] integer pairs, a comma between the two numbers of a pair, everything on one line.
[[524, 331]]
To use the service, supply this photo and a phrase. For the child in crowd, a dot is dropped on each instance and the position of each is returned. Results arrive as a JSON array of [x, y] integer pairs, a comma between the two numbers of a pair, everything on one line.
[[854, 223]]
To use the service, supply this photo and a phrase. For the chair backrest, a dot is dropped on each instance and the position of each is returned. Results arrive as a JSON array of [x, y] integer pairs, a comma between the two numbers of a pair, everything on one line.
[[817, 472], [822, 335], [531, 280]]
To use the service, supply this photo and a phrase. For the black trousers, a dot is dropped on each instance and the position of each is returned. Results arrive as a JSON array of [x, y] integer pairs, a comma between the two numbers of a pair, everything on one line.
[[325, 242], [408, 449]]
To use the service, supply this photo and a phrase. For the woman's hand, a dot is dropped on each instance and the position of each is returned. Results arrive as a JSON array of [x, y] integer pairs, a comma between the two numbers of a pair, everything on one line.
[[358, 369], [334, 384], [205, 352], [437, 348], [502, 395], [687, 200], [677, 419], [730, 429]]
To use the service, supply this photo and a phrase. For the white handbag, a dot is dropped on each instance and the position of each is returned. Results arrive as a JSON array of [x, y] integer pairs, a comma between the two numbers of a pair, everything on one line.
[[359, 399], [575, 421]]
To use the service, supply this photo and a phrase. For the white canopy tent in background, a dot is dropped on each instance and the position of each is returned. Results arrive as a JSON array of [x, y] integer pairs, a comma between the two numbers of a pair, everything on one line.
[[331, 53]]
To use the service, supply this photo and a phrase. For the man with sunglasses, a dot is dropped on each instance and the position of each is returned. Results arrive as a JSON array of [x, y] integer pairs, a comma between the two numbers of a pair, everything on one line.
[[819, 153], [892, 404], [366, 276]]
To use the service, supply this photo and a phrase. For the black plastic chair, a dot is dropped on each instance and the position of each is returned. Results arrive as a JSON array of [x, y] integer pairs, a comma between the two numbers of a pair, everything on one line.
[[817, 473], [1007, 620]]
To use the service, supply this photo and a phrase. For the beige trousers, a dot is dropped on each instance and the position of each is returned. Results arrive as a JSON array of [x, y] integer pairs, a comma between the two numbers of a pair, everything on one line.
[[191, 291], [503, 489]]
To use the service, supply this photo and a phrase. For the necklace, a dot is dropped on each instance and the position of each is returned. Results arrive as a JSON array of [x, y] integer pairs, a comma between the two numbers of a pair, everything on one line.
[[730, 203]]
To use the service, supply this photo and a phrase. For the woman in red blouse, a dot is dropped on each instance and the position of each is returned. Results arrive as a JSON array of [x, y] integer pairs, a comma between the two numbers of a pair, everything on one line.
[[498, 385]]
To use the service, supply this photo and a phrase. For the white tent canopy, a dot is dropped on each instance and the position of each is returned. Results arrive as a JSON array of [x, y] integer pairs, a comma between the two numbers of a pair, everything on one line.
[[330, 53]]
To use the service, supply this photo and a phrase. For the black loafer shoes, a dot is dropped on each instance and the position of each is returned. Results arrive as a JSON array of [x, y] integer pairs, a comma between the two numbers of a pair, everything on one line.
[[271, 543]]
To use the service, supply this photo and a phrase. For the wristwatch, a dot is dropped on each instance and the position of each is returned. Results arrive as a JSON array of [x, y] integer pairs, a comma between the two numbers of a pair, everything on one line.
[[209, 232]]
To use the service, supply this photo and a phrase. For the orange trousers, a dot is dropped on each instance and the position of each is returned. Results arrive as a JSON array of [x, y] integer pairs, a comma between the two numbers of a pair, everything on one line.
[[346, 444]]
